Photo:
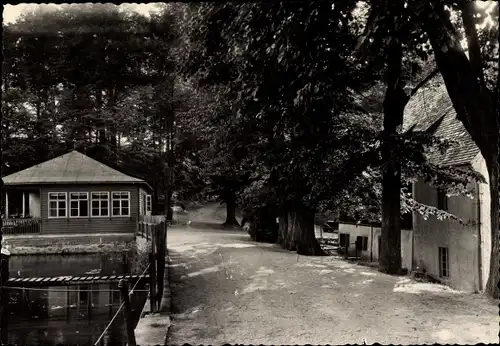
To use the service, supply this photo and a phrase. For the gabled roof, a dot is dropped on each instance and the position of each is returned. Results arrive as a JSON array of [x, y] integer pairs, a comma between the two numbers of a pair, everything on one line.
[[431, 106], [70, 168]]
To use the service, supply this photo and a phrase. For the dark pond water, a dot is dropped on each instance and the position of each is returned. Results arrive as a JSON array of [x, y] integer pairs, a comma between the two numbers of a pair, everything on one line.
[[75, 315]]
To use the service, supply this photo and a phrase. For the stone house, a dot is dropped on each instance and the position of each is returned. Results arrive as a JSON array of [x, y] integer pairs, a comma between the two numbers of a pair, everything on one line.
[[456, 254]]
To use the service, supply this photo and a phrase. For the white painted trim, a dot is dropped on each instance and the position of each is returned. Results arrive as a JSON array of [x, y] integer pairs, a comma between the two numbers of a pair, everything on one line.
[[107, 199], [57, 200], [121, 199], [72, 200], [24, 204], [6, 205], [149, 201]]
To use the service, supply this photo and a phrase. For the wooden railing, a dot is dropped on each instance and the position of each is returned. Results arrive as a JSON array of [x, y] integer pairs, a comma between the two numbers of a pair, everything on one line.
[[21, 226], [154, 229]]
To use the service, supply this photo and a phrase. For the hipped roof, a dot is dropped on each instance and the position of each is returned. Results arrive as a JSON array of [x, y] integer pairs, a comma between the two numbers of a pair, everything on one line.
[[70, 168]]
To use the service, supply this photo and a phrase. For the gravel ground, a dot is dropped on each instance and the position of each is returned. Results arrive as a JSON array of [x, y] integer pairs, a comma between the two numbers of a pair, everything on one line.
[[228, 289]]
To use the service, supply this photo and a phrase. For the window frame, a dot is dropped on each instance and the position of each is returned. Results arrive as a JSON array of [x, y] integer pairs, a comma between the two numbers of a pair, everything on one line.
[[78, 200], [364, 243], [444, 263], [120, 200], [347, 239], [149, 203], [100, 207], [57, 201]]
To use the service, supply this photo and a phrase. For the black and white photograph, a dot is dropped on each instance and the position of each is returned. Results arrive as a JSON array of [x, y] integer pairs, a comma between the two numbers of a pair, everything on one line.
[[265, 172]]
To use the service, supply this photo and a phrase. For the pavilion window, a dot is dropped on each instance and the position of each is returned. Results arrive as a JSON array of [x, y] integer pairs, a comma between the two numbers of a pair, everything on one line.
[[100, 204], [79, 204], [57, 204], [120, 203]]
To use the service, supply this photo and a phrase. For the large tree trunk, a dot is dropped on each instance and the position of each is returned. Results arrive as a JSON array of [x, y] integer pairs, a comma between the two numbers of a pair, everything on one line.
[[394, 104], [230, 200], [296, 232], [305, 237], [494, 277], [282, 229]]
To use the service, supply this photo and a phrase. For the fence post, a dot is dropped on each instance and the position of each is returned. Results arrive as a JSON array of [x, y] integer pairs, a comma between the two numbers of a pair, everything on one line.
[[152, 286], [123, 286], [4, 298], [160, 270], [89, 302]]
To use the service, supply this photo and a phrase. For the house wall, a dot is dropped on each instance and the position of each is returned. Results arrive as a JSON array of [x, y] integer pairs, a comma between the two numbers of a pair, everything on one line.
[[484, 200], [461, 240], [373, 234], [34, 204], [111, 224], [142, 202]]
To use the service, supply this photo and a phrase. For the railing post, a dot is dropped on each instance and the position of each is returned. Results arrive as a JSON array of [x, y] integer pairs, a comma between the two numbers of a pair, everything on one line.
[[152, 284], [160, 250], [123, 286], [89, 302]]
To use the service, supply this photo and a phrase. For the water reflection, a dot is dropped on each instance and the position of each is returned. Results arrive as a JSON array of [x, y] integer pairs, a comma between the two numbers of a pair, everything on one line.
[[77, 314]]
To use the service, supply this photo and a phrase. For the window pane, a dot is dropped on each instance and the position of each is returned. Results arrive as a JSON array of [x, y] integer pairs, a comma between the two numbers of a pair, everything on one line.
[[52, 204], [53, 212], [74, 212], [61, 195], [73, 204], [125, 203], [84, 207], [62, 205], [104, 204], [74, 195], [116, 204], [62, 212], [104, 212], [116, 211], [124, 194], [124, 211], [95, 204], [116, 195], [95, 212]]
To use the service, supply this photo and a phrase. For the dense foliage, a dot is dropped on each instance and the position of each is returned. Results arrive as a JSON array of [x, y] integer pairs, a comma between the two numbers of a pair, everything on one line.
[[285, 110]]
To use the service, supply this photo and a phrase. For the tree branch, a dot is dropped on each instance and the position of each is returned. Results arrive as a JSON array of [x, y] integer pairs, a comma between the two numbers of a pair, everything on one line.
[[424, 81]]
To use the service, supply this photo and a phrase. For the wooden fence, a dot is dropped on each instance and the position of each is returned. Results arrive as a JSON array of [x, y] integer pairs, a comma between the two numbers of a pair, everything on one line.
[[21, 226], [154, 229]]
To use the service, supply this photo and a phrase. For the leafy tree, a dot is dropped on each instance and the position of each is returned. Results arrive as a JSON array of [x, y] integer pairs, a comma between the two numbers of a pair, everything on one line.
[[471, 81], [109, 102], [292, 90]]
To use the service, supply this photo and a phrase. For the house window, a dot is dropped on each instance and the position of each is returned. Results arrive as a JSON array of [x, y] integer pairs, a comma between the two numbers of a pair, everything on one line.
[[100, 203], [444, 264], [148, 203], [79, 204], [57, 204], [362, 243], [121, 203], [365, 243], [344, 239], [442, 200]]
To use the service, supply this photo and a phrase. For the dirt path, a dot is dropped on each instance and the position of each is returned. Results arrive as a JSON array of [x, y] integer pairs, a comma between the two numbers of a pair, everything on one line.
[[227, 289]]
